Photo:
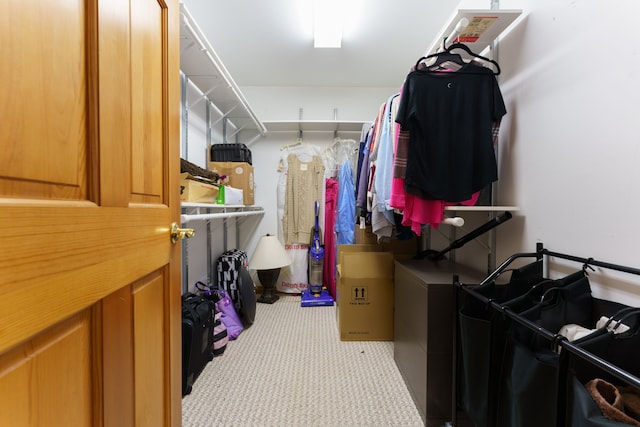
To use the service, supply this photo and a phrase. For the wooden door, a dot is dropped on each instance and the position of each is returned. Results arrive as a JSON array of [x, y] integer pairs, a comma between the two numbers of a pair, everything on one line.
[[89, 163]]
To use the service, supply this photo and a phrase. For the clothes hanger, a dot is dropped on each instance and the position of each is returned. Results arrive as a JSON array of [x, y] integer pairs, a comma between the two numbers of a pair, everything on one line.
[[447, 56], [444, 58], [298, 142], [289, 146]]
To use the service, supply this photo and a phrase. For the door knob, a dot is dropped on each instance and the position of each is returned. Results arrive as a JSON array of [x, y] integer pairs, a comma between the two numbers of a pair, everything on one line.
[[178, 233]]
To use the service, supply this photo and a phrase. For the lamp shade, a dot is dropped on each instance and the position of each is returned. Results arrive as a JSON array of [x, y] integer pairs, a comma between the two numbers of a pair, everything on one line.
[[269, 254]]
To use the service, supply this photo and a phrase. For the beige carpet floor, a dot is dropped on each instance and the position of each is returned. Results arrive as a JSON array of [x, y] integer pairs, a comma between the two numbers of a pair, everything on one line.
[[291, 369]]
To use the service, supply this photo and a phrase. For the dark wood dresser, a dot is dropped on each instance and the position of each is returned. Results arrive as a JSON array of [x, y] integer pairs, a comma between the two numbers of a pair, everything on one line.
[[423, 332]]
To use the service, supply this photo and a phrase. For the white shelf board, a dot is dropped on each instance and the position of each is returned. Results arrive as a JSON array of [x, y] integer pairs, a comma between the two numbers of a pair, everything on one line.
[[314, 126], [214, 211], [485, 26], [482, 208], [217, 206], [202, 66]]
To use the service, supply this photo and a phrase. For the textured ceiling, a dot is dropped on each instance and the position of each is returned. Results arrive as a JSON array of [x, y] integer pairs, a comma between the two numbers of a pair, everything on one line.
[[270, 42]]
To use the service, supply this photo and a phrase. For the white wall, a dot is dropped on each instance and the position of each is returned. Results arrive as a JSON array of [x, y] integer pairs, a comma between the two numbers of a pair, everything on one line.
[[569, 145]]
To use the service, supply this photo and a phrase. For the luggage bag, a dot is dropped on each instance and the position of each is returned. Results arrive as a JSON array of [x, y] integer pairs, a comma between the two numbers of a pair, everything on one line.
[[197, 337], [234, 278], [230, 153]]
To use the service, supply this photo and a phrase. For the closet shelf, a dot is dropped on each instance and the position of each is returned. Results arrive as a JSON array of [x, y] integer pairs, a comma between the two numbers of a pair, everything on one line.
[[484, 26], [482, 208], [315, 126], [209, 211], [202, 66]]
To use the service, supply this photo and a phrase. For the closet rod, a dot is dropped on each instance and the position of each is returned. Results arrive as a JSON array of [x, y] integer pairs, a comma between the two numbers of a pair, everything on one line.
[[451, 38], [459, 28], [556, 340], [591, 261], [220, 215]]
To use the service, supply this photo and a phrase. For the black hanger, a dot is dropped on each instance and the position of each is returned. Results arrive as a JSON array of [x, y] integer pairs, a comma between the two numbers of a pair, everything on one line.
[[446, 55]]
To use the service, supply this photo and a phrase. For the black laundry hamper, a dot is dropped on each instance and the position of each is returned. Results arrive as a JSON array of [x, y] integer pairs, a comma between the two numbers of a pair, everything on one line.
[[618, 349], [534, 376], [482, 334], [507, 372], [530, 373], [582, 411], [514, 369], [484, 342]]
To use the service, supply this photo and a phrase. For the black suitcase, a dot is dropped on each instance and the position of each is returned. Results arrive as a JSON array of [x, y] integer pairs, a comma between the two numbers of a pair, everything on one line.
[[230, 153], [235, 280], [197, 337]]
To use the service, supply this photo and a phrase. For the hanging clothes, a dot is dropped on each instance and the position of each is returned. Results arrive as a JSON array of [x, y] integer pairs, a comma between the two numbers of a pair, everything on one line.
[[364, 134], [449, 117], [382, 217], [417, 211], [340, 156], [293, 279], [364, 181], [304, 152], [304, 187], [340, 151], [346, 216], [330, 245]]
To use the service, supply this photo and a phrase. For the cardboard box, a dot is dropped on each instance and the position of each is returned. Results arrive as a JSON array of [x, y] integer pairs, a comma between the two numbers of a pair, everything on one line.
[[240, 175], [194, 190], [365, 293], [401, 249], [233, 196], [364, 236]]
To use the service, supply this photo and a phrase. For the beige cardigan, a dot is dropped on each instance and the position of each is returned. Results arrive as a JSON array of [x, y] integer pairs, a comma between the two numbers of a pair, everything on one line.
[[304, 188]]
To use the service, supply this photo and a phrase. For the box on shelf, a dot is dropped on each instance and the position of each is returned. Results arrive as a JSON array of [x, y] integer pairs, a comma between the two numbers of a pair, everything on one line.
[[233, 196], [365, 293], [401, 249], [230, 153], [193, 189], [239, 174]]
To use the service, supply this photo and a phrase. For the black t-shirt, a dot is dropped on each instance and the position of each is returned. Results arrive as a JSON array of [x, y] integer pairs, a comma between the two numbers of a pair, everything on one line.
[[449, 117]]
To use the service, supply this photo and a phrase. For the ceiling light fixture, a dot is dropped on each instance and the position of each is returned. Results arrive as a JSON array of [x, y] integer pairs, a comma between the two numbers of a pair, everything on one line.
[[328, 22]]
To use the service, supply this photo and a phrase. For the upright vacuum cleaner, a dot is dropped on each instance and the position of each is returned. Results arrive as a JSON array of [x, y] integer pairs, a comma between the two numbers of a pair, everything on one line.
[[315, 294]]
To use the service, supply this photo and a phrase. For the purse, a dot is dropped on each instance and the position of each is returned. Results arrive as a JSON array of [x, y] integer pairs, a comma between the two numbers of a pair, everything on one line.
[[225, 306]]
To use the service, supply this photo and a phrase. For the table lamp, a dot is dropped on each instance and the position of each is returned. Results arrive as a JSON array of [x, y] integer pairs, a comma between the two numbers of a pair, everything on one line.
[[268, 258]]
